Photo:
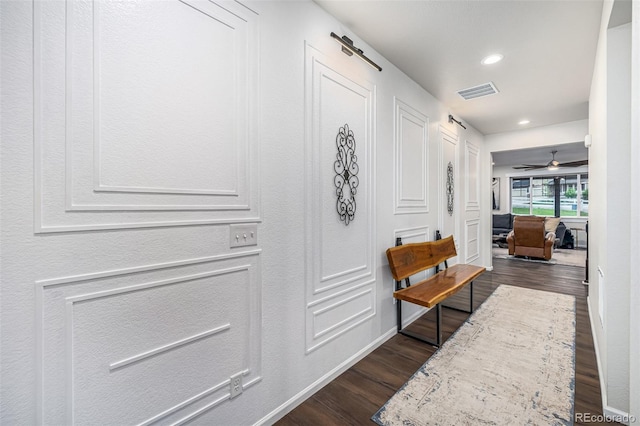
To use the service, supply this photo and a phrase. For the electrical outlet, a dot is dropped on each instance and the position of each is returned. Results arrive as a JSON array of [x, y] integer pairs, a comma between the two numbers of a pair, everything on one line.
[[241, 235], [236, 385]]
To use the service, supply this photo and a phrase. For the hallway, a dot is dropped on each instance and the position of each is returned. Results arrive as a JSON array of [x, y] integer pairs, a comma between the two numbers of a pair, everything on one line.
[[358, 393]]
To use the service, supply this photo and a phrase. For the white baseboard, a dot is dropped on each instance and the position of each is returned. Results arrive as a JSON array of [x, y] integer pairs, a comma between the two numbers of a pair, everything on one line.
[[296, 400], [610, 413]]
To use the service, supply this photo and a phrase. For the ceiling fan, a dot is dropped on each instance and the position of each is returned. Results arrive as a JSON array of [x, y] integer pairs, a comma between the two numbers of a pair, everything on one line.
[[553, 164]]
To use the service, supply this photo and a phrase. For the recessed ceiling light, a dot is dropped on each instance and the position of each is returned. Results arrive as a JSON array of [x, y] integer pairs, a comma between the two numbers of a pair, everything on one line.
[[523, 122], [492, 59]]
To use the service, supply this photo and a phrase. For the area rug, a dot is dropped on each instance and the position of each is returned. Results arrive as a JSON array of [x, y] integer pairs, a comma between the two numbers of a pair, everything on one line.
[[511, 362]]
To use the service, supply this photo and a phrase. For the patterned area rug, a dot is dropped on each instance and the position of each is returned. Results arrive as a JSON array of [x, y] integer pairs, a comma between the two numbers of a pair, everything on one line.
[[511, 362]]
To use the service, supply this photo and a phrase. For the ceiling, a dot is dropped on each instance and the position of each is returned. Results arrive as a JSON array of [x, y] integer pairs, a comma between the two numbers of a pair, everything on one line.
[[541, 155], [548, 46]]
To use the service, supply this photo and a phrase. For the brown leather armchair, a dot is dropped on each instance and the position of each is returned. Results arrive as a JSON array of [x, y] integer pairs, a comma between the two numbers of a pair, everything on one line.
[[529, 238]]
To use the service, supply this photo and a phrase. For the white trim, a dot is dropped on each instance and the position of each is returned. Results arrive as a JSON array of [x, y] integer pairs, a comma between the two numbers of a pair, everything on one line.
[[302, 396], [607, 411], [634, 227], [408, 205], [597, 351], [470, 150]]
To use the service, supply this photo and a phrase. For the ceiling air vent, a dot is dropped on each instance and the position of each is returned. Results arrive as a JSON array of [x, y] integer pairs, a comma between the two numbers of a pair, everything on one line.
[[478, 91]]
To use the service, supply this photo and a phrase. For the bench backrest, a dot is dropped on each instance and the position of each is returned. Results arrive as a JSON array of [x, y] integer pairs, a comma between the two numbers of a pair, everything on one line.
[[409, 259]]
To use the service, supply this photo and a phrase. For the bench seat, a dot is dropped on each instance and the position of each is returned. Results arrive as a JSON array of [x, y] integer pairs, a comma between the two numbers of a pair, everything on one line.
[[408, 260], [435, 289]]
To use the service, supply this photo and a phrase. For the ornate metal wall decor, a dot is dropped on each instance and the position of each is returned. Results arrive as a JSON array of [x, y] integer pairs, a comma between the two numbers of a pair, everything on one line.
[[346, 179], [449, 187]]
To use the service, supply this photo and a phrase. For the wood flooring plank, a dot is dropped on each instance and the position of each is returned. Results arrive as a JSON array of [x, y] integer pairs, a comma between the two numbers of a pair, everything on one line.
[[353, 397]]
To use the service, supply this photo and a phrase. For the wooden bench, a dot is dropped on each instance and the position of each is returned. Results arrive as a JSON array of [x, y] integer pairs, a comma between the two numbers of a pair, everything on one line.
[[407, 260]]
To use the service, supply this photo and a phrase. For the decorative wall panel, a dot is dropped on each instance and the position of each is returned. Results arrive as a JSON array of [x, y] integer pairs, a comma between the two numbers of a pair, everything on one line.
[[448, 154], [153, 334], [340, 261], [472, 240], [472, 180], [411, 159], [160, 133]]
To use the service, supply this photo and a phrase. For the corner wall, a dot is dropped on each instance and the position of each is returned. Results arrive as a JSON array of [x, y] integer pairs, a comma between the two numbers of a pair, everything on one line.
[[634, 253], [609, 256]]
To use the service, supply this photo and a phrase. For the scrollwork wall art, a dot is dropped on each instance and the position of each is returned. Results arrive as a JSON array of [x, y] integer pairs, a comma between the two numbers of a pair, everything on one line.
[[449, 188], [346, 179]]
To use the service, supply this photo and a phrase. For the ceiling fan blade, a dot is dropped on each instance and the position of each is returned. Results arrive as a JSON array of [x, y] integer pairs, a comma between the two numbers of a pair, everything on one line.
[[530, 166], [575, 163]]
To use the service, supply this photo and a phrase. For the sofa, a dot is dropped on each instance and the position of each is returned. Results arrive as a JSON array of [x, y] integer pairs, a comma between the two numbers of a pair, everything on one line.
[[502, 223], [530, 238]]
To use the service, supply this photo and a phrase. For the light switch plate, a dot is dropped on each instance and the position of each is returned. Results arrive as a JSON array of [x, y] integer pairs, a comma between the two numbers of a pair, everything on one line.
[[243, 235]]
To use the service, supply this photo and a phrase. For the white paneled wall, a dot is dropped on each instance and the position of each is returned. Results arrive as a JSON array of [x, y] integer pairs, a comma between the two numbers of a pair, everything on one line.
[[411, 159], [161, 132], [472, 177], [172, 310], [134, 135], [340, 230]]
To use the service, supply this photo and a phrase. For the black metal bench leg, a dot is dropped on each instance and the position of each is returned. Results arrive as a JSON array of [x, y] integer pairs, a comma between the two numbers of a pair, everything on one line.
[[438, 325], [436, 342], [470, 302], [399, 315]]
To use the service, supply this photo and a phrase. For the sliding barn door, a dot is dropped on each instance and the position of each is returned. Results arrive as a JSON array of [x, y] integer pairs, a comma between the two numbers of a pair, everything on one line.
[[449, 187]]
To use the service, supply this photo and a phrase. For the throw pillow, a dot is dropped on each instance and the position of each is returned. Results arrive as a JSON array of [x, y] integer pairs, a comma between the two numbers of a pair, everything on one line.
[[551, 223]]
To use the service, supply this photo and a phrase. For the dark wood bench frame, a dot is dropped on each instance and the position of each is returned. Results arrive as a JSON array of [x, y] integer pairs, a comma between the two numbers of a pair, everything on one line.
[[407, 260]]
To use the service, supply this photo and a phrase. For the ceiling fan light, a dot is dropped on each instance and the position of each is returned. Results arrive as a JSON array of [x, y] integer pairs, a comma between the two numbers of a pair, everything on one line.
[[552, 167]]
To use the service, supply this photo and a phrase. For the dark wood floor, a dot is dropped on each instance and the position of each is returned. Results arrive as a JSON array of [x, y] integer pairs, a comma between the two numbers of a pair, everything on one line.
[[353, 397]]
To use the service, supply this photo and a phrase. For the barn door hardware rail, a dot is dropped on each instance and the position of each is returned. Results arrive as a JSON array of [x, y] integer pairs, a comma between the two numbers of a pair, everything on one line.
[[453, 120]]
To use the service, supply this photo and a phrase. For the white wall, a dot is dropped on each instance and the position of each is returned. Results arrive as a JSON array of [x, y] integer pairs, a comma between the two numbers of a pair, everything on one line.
[[618, 211], [611, 164], [143, 272], [505, 202], [634, 299]]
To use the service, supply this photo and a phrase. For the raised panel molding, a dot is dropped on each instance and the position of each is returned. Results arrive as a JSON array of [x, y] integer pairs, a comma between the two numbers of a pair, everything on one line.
[[472, 240], [340, 261], [418, 234], [84, 327], [332, 316], [116, 146], [472, 179], [448, 151], [411, 151]]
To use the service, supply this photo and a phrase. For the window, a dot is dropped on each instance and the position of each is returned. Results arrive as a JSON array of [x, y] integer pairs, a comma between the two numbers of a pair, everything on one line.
[[536, 195]]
